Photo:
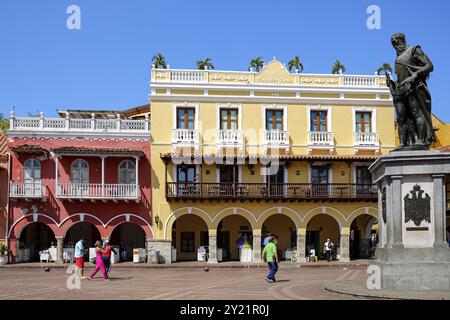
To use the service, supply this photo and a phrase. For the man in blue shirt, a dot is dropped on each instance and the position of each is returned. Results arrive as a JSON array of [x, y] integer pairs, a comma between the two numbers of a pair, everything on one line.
[[80, 251]]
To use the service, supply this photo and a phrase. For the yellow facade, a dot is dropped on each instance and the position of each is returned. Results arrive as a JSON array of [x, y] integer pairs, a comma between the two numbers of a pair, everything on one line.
[[300, 211]]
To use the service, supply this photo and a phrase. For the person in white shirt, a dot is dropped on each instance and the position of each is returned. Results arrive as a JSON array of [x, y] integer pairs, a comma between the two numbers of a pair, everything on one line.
[[328, 247], [80, 251]]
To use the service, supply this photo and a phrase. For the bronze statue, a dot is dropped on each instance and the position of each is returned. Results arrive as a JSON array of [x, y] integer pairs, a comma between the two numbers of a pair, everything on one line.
[[412, 99]]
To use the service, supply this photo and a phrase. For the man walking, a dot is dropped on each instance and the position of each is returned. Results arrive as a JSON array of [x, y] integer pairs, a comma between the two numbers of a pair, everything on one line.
[[80, 251], [328, 247], [270, 255], [107, 256]]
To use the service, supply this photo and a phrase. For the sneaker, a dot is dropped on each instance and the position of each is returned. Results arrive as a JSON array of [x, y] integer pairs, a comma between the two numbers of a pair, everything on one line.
[[268, 280], [89, 278], [107, 280]]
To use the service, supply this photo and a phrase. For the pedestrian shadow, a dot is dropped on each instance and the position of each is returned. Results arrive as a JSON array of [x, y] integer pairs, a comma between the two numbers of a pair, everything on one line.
[[282, 281], [120, 278]]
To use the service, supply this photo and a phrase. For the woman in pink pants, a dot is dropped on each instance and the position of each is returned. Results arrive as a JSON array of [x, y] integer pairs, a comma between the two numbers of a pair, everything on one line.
[[99, 264]]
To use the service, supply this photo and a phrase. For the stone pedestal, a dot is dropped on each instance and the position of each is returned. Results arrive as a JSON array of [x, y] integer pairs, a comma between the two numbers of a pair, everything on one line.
[[159, 251], [412, 253]]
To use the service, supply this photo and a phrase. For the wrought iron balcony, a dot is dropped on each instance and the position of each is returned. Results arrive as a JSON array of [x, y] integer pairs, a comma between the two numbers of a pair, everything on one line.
[[97, 191], [24, 190], [274, 192]]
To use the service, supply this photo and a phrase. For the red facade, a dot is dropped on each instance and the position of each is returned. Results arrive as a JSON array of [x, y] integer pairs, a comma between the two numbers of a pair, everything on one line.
[[61, 203]]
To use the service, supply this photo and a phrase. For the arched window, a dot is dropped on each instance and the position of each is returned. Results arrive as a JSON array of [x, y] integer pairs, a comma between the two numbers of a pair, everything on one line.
[[32, 171], [127, 172], [79, 173]]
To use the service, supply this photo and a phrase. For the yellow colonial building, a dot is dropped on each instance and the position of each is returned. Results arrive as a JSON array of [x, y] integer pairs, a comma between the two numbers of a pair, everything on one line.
[[237, 156]]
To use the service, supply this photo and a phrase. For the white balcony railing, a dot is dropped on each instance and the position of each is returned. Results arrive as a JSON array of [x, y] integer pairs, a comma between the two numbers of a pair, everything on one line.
[[276, 137], [185, 136], [189, 76], [230, 137], [366, 139], [40, 123], [360, 81], [250, 77], [319, 138], [27, 190], [97, 191]]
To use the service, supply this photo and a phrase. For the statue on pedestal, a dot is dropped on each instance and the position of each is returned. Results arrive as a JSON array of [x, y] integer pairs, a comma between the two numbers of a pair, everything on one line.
[[412, 99]]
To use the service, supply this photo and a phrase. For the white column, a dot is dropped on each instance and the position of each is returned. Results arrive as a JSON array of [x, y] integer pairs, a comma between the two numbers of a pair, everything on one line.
[[137, 176], [59, 249], [301, 244], [212, 234], [56, 174], [257, 245], [103, 176]]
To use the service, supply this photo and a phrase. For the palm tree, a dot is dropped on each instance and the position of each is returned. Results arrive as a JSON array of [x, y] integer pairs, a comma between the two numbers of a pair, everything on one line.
[[257, 63], [295, 63], [386, 67], [337, 67], [159, 61], [4, 123], [205, 64]]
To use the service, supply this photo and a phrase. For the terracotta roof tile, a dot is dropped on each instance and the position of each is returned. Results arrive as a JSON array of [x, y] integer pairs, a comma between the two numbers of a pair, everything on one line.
[[28, 148], [285, 157]]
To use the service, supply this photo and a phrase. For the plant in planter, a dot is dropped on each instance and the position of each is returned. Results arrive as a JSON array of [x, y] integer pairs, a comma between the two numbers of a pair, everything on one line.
[[4, 251]]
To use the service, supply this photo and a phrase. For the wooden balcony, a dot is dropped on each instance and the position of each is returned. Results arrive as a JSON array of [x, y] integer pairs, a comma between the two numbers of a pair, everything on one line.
[[97, 191], [271, 192]]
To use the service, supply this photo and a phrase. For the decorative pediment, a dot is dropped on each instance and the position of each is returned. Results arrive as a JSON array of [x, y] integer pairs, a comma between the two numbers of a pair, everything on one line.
[[274, 72]]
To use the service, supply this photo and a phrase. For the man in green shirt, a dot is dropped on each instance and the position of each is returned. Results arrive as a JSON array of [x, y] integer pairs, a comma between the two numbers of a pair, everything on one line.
[[269, 254]]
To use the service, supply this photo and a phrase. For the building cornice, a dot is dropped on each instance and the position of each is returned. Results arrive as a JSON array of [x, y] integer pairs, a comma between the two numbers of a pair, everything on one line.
[[287, 100]]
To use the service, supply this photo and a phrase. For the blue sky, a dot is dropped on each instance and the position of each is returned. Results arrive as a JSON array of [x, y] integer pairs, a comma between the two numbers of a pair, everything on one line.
[[105, 65]]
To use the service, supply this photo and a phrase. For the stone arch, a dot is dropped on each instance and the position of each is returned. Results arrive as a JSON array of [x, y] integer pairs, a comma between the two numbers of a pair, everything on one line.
[[183, 211], [129, 217], [332, 212], [229, 211], [70, 221], [371, 211], [266, 214], [20, 224]]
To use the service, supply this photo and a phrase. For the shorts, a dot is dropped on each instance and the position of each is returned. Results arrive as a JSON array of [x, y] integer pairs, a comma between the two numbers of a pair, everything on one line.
[[79, 262]]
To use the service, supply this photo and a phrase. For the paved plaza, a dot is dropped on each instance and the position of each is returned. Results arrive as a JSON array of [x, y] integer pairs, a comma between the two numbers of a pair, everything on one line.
[[293, 283]]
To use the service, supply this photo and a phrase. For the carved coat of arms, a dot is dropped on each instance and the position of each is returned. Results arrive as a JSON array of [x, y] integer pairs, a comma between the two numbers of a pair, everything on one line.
[[417, 206]]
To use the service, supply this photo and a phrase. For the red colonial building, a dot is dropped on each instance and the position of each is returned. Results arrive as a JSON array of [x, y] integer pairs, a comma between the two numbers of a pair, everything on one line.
[[86, 173]]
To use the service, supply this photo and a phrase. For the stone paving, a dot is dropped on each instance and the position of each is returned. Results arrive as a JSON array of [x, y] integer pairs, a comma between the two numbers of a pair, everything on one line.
[[293, 283], [358, 287]]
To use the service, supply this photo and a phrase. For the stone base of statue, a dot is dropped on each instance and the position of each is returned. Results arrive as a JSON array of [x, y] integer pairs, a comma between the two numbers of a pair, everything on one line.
[[412, 252]]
